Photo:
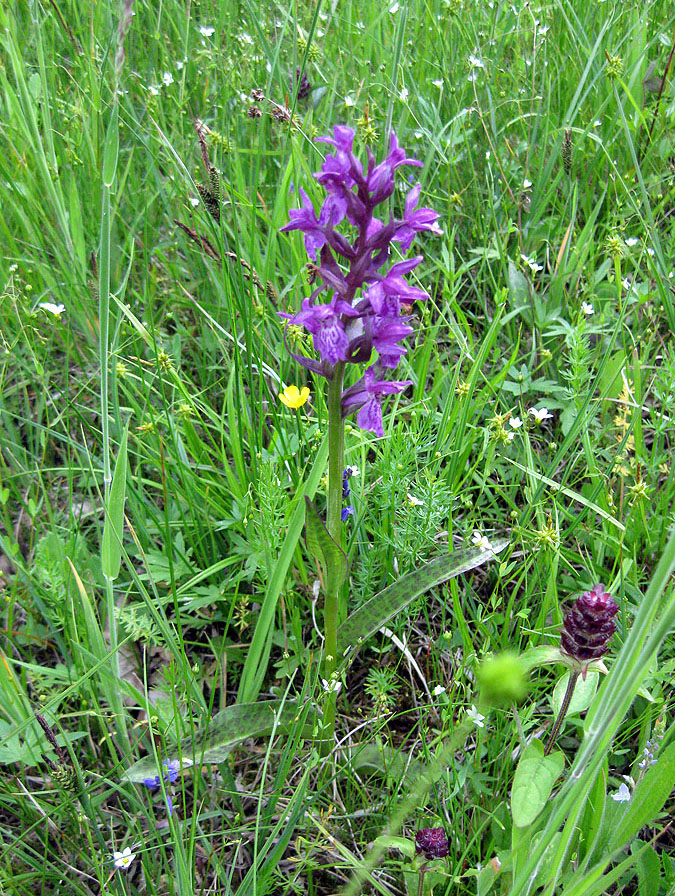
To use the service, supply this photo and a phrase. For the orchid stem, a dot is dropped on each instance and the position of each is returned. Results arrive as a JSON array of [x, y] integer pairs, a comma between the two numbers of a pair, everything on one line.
[[336, 453]]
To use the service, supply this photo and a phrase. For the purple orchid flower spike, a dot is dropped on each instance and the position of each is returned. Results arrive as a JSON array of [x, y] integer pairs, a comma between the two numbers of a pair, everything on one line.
[[363, 311]]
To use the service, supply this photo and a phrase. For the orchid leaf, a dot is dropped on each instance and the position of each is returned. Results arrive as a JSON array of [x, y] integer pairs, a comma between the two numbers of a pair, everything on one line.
[[376, 612], [324, 548], [228, 728]]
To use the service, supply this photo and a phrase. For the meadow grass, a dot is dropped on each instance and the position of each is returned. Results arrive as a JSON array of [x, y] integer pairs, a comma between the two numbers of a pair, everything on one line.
[[546, 133]]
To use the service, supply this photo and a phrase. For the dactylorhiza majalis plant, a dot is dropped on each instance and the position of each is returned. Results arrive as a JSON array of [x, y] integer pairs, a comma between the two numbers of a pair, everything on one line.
[[356, 309]]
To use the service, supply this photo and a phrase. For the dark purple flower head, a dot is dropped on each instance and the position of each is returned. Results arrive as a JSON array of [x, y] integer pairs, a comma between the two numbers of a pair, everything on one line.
[[589, 625], [364, 309], [432, 843]]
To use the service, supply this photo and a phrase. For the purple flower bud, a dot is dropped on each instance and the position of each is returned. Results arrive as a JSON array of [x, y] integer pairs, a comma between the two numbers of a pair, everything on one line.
[[589, 624], [366, 396], [432, 843]]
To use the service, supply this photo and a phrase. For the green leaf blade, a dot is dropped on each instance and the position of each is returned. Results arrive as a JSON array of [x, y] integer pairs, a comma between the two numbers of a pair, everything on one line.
[[113, 529], [532, 784], [376, 612]]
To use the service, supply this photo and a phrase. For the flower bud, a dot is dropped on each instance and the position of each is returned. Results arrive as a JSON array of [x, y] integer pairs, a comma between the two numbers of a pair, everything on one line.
[[432, 842]]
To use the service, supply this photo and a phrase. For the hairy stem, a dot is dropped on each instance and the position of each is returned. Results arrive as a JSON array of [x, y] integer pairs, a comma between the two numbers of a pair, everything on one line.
[[571, 684]]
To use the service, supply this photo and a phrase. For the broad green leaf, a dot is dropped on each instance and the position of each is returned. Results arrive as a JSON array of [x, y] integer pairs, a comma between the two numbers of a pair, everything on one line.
[[647, 800], [113, 529], [376, 612], [402, 844], [584, 691], [648, 869], [324, 548], [541, 656], [226, 729], [532, 784]]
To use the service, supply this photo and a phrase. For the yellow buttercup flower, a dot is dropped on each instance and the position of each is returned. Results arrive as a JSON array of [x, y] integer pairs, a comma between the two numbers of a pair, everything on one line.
[[293, 397]]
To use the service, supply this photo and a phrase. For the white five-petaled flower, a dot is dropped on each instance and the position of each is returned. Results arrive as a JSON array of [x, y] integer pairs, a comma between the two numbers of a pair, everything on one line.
[[541, 414], [123, 859], [167, 78], [622, 795], [527, 184], [481, 541], [532, 264], [587, 308], [334, 686], [632, 241], [475, 62], [515, 422], [413, 501], [476, 717], [438, 690], [206, 30], [56, 310]]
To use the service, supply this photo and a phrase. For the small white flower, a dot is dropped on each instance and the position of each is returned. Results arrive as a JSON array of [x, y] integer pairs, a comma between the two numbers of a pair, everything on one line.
[[632, 241], [587, 308], [597, 123], [194, 201], [403, 94], [475, 62], [413, 501], [476, 717], [544, 30], [531, 262], [350, 101], [481, 541], [332, 687], [123, 859], [167, 78], [206, 30], [438, 690], [622, 795], [541, 414], [153, 90], [353, 470], [515, 422], [438, 83], [394, 8], [650, 252], [527, 184], [56, 310]]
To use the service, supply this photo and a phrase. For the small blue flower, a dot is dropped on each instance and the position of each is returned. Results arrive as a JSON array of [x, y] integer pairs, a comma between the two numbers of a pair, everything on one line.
[[170, 774]]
